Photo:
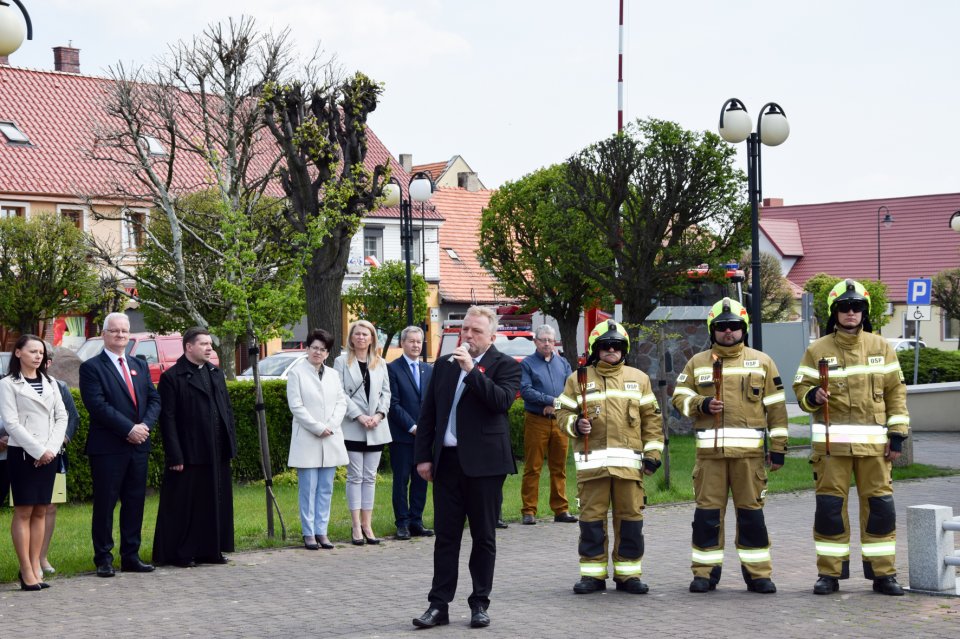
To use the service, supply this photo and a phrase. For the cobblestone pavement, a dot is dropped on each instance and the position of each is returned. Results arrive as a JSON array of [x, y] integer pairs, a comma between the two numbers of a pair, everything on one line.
[[374, 591]]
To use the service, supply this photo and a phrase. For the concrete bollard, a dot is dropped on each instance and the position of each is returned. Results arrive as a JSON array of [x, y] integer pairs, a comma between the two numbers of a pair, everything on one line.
[[928, 545]]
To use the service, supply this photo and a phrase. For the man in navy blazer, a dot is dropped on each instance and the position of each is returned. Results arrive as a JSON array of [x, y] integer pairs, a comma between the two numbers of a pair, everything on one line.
[[463, 446], [409, 378], [123, 406]]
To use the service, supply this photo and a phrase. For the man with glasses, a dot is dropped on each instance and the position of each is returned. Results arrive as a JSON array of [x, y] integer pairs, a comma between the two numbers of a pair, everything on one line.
[[618, 440], [543, 375], [731, 424], [864, 434], [123, 406]]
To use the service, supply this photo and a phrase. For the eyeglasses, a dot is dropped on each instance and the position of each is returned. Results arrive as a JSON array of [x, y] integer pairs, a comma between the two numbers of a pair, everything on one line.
[[319, 349], [610, 346], [117, 331], [722, 327], [851, 306]]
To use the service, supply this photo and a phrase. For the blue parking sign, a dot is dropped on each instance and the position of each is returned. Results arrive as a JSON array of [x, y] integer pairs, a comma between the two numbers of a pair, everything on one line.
[[918, 291]]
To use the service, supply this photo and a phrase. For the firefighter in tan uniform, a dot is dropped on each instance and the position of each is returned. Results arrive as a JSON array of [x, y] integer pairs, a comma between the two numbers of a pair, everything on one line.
[[624, 430], [865, 432], [731, 448]]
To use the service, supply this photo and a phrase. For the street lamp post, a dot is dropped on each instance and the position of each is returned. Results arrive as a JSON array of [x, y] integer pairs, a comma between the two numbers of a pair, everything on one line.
[[772, 130], [419, 189], [11, 31], [887, 223]]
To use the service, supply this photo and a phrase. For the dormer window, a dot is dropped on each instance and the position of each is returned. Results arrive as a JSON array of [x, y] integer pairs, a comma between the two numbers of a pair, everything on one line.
[[453, 254], [152, 145], [13, 133]]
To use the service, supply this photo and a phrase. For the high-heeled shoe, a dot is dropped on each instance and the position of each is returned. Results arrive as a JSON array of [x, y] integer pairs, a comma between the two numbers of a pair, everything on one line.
[[357, 542], [25, 586], [373, 541]]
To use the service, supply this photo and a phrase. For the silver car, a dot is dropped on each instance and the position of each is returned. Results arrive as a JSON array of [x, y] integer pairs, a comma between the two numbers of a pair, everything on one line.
[[274, 366]]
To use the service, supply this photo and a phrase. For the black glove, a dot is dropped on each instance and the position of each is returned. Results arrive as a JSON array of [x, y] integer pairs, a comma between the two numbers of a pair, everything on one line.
[[896, 443], [651, 465], [778, 458], [705, 405]]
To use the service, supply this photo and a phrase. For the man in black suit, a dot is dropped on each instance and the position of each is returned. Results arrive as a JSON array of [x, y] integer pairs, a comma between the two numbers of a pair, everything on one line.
[[409, 378], [463, 446], [123, 407]]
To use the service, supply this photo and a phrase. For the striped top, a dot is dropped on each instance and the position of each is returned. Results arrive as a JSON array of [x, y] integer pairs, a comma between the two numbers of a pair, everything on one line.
[[36, 383]]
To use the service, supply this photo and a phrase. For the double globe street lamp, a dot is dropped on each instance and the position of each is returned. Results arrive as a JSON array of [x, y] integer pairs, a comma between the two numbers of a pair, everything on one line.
[[419, 189], [772, 130], [12, 30]]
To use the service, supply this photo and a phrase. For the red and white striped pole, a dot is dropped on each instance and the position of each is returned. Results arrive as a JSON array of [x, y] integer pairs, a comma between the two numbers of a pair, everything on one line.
[[620, 75]]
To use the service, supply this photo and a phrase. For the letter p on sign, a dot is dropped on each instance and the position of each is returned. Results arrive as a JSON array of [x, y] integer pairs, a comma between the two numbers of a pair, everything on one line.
[[918, 291]]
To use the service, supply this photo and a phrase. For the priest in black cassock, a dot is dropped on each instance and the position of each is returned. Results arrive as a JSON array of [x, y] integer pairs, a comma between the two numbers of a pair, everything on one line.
[[195, 517]]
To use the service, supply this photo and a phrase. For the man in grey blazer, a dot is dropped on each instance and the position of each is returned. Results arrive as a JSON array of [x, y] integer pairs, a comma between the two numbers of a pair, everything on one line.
[[409, 378]]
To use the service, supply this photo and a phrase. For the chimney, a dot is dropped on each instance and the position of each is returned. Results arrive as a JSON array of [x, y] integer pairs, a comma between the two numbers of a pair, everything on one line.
[[5, 60], [66, 59], [406, 162], [468, 180], [771, 202]]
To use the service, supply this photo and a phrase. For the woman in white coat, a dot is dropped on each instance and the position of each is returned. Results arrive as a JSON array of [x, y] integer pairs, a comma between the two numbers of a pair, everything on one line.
[[365, 428], [35, 421], [316, 399]]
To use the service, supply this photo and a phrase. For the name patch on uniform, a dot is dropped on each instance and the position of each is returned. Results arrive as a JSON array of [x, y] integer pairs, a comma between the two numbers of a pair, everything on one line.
[[751, 363], [703, 379], [875, 359], [831, 361], [631, 386], [798, 378], [591, 385], [681, 378]]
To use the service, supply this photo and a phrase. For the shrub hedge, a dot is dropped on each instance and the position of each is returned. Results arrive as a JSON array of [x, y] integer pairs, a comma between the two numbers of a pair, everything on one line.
[[935, 365], [246, 466]]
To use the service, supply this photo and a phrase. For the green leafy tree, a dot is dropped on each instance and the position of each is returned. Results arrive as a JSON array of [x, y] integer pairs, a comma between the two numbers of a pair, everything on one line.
[[321, 130], [44, 271], [819, 286], [946, 294], [776, 295], [662, 200], [380, 297], [533, 241]]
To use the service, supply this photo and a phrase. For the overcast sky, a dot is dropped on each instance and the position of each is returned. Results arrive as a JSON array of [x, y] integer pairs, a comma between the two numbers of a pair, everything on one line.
[[516, 85]]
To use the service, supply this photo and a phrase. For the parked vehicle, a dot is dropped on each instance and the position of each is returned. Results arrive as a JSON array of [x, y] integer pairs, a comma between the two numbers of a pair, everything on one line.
[[902, 344], [274, 366], [160, 352], [4, 363], [514, 336]]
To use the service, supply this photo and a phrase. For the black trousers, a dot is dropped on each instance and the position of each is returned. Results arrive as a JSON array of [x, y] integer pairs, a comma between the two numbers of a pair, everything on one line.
[[407, 512], [457, 499], [123, 477]]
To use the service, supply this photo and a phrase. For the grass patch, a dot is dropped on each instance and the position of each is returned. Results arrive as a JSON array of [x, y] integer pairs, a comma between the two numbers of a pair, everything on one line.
[[71, 551]]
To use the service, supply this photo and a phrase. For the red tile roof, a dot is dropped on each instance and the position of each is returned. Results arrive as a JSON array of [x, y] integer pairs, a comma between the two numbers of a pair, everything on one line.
[[58, 111], [463, 280], [435, 169], [840, 238], [785, 235]]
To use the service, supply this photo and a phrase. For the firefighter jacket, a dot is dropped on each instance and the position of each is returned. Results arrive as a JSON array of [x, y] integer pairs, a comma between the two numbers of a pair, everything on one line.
[[754, 404], [868, 397], [626, 426]]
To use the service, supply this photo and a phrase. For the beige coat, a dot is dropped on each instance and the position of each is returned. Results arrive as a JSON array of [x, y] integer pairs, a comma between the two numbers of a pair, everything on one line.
[[357, 403], [35, 423], [317, 405]]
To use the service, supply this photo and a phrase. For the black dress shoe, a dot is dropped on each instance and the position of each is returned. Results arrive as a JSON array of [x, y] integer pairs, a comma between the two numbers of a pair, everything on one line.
[[826, 585], [586, 585], [105, 570], [502, 524], [420, 531], [565, 518], [633, 586], [135, 565], [528, 520], [886, 586], [184, 563], [220, 559], [403, 532], [432, 617], [479, 617]]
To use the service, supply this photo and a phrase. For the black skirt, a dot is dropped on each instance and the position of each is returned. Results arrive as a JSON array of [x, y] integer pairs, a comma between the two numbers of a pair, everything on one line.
[[31, 485]]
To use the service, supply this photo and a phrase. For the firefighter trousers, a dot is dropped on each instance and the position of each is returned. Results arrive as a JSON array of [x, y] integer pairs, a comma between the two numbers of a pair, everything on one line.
[[713, 481], [878, 519], [627, 500]]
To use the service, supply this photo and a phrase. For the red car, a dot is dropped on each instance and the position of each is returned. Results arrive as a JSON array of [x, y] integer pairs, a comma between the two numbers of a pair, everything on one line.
[[160, 352]]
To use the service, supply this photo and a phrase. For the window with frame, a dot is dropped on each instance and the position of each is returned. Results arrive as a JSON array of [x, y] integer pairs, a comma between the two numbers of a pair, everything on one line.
[[13, 134], [75, 216], [909, 327], [133, 223], [373, 243], [8, 212], [415, 249], [951, 328]]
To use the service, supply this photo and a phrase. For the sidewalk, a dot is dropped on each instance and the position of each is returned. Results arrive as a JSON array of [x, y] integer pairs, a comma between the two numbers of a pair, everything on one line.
[[374, 591]]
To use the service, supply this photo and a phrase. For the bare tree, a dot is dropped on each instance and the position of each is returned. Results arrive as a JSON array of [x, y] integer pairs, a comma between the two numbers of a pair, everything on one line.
[[194, 124]]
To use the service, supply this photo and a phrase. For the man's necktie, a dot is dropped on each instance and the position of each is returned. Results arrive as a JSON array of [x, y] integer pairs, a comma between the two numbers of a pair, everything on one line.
[[452, 422], [126, 378], [415, 369]]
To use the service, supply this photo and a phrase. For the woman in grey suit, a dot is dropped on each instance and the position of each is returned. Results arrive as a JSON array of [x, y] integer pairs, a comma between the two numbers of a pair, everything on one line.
[[365, 429], [316, 400]]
